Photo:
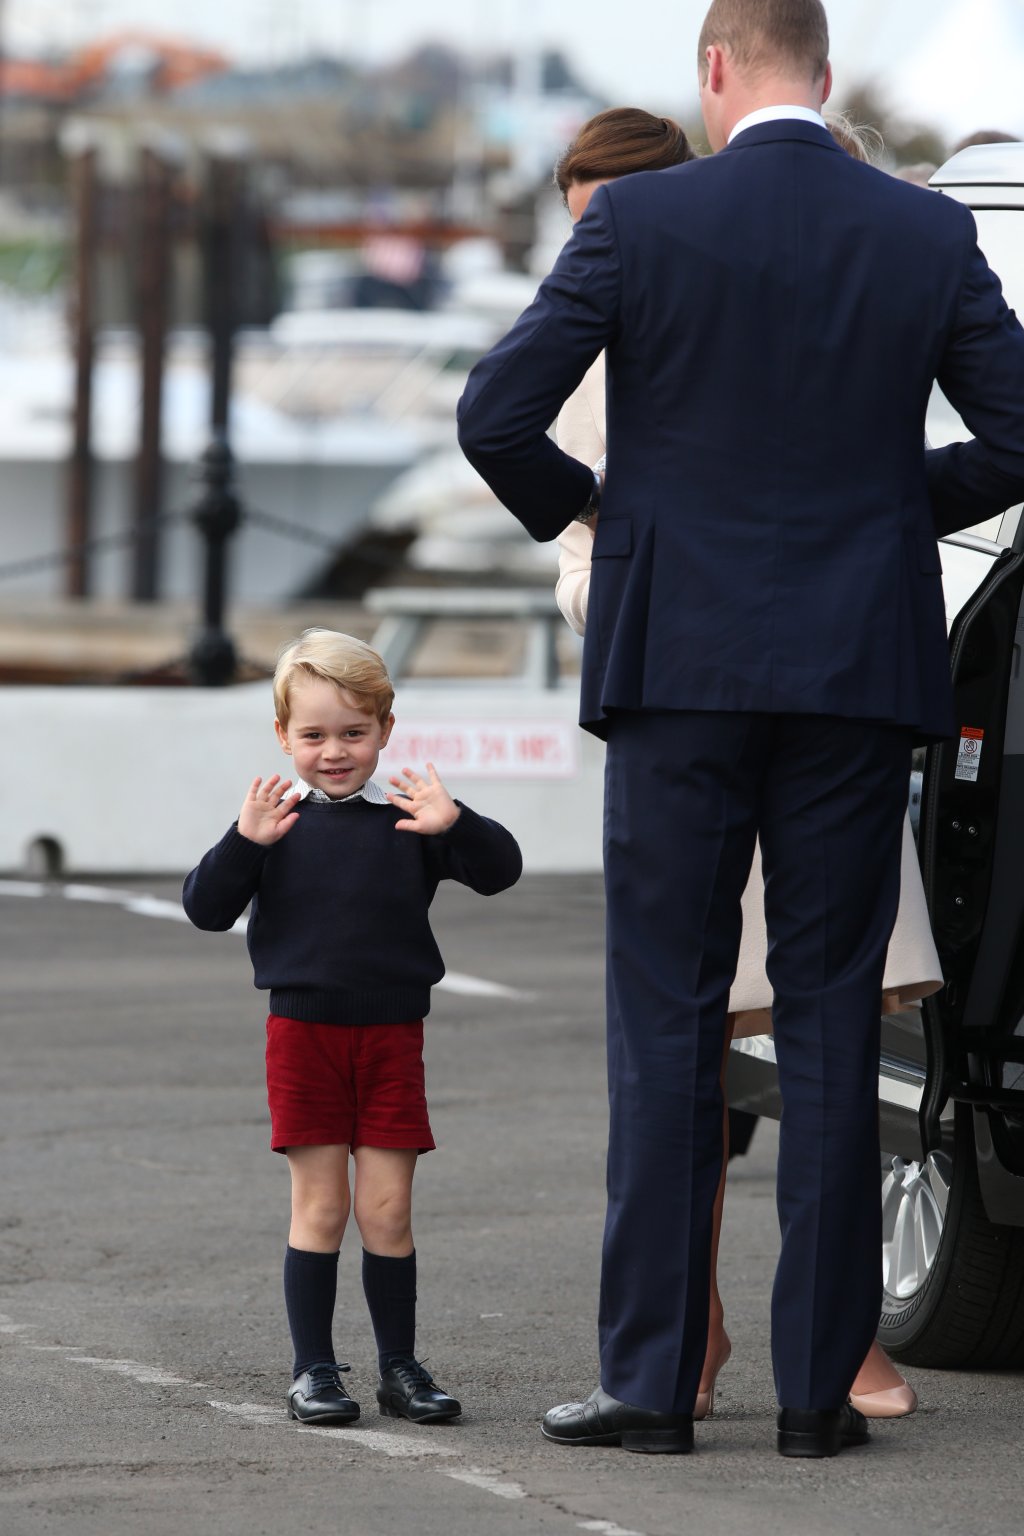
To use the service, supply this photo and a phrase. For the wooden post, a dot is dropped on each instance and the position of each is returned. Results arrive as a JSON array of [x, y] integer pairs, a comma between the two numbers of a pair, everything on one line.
[[153, 307], [79, 509], [220, 278]]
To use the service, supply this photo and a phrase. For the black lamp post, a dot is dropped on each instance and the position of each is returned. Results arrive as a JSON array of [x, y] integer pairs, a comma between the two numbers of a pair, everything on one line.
[[218, 512]]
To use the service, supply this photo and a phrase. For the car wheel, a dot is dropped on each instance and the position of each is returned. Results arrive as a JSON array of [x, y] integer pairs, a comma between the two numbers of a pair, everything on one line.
[[953, 1281]]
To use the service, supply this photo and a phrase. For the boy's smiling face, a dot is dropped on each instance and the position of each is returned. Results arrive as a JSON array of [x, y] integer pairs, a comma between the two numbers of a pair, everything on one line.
[[334, 743]]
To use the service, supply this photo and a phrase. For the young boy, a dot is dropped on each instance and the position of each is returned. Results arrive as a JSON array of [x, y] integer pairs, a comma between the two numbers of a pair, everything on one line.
[[341, 875]]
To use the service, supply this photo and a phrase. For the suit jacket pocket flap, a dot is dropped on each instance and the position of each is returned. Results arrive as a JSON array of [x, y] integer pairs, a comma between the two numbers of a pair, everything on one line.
[[614, 537]]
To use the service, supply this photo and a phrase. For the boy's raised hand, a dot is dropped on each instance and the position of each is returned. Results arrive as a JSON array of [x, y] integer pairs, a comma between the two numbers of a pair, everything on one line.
[[268, 811], [428, 806]]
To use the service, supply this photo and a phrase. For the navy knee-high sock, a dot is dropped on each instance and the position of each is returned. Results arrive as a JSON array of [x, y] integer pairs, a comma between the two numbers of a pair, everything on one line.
[[390, 1289], [310, 1289]]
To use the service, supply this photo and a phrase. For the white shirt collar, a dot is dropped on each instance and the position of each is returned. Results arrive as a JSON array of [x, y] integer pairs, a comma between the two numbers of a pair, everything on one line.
[[775, 115], [370, 792]]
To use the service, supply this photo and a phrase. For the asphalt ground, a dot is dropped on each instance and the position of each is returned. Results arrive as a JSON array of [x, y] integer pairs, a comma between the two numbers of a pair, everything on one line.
[[143, 1349]]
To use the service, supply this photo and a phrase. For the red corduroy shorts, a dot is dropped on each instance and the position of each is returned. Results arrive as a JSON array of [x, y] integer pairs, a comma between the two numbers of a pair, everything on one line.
[[346, 1084]]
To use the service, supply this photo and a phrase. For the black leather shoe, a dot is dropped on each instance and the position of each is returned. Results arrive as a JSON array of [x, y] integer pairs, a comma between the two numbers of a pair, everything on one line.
[[407, 1391], [603, 1420], [820, 1432], [318, 1397]]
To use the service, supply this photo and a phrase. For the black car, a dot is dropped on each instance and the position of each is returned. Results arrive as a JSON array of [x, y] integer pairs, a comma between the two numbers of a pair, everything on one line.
[[951, 1075]]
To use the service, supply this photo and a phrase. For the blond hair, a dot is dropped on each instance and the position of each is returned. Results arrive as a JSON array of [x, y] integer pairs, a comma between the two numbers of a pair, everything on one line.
[[767, 34], [859, 141], [350, 664]]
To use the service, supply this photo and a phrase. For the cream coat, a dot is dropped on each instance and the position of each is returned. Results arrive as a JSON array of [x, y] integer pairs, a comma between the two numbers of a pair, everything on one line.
[[912, 966]]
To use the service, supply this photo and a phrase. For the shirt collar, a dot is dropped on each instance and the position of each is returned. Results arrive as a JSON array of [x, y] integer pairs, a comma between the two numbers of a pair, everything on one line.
[[778, 114], [370, 792]]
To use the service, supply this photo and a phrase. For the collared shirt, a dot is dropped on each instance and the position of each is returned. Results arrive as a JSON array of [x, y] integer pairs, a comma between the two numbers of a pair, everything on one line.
[[777, 114], [370, 792]]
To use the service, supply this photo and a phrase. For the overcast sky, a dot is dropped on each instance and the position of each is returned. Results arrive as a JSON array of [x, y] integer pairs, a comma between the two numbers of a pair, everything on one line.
[[958, 63]]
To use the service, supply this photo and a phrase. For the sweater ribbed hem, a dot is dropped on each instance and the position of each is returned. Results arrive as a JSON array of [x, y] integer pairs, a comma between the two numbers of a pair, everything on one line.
[[403, 1005]]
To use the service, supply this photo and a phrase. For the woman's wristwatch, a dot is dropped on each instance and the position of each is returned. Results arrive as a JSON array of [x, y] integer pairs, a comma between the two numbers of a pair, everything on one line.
[[593, 505]]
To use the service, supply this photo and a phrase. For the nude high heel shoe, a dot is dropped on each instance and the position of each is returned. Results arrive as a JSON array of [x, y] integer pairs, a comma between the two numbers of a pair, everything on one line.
[[704, 1406], [890, 1403]]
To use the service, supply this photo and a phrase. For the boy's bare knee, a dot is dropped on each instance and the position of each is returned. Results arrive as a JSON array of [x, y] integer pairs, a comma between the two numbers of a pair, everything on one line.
[[321, 1218], [384, 1220]]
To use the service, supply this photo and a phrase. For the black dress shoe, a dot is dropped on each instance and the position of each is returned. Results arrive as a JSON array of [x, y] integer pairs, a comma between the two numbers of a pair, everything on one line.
[[407, 1391], [820, 1432], [318, 1397], [603, 1420]]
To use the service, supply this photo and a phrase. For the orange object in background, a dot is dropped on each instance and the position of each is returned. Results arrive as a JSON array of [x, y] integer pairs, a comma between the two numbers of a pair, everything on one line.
[[85, 72]]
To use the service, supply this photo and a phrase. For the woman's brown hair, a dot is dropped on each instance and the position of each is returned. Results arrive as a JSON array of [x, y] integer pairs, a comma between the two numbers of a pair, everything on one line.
[[619, 141]]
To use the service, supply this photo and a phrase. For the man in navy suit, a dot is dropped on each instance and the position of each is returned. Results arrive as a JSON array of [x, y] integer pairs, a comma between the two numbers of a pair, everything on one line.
[[765, 641]]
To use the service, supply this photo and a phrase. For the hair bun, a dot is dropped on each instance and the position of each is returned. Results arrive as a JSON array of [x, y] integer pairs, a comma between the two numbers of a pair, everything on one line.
[[619, 141]]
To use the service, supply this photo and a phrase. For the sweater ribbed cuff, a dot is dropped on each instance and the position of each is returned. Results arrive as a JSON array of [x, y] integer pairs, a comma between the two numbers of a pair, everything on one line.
[[465, 828], [239, 852]]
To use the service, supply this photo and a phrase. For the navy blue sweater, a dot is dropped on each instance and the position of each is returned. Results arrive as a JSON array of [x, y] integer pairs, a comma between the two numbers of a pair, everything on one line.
[[339, 929]]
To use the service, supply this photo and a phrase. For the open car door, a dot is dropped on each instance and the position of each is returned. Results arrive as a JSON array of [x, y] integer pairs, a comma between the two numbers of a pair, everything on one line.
[[971, 844]]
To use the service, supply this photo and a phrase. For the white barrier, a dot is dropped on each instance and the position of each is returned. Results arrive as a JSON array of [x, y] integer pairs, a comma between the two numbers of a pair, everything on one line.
[[144, 780]]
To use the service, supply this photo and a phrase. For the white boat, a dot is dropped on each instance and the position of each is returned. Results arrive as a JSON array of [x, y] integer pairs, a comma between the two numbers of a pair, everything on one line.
[[328, 409]]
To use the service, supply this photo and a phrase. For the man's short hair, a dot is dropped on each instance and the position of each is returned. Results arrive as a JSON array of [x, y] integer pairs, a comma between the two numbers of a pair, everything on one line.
[[768, 34], [350, 664]]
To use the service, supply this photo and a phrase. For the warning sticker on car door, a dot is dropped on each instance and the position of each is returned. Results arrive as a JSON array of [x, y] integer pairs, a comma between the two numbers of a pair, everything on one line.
[[968, 758]]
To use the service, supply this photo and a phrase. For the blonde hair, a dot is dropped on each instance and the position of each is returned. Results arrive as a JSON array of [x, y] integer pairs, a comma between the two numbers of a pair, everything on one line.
[[859, 141], [350, 664]]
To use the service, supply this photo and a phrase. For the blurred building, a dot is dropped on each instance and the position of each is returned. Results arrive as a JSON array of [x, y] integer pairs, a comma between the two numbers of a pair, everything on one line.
[[37, 94]]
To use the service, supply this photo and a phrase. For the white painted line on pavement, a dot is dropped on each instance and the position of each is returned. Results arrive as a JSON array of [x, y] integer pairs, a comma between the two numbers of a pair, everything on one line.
[[370, 1439], [157, 906], [475, 986], [397, 1446], [148, 1375], [606, 1528], [104, 895], [489, 1482], [257, 1413], [142, 904], [381, 1441]]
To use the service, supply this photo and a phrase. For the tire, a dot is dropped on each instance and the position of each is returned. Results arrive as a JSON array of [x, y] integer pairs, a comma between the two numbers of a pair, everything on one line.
[[953, 1281]]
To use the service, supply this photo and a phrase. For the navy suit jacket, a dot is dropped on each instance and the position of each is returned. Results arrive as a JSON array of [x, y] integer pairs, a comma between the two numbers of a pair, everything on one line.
[[774, 317]]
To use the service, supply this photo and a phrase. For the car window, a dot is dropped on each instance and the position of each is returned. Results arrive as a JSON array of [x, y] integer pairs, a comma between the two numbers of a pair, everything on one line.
[[1001, 237]]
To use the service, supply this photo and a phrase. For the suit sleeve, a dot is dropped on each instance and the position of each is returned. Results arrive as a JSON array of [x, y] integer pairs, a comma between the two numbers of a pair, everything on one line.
[[515, 392], [981, 373], [223, 883], [477, 852]]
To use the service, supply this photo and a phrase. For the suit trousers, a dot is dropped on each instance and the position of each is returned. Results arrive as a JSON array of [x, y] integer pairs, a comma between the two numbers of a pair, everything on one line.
[[687, 794]]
